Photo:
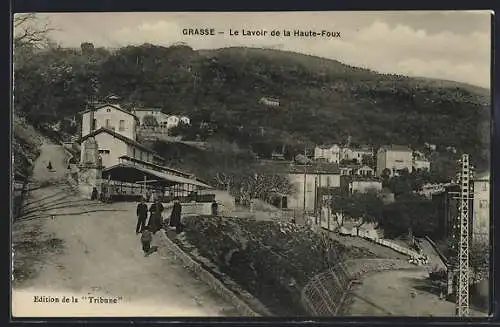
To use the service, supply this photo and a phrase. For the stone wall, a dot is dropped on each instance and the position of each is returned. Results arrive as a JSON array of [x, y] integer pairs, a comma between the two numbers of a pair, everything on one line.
[[88, 178]]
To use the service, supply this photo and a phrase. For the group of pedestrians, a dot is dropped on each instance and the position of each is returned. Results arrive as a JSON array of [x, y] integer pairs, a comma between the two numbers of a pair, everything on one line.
[[149, 227]]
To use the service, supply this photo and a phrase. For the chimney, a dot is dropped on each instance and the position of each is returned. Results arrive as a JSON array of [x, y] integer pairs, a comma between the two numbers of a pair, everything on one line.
[[92, 125]]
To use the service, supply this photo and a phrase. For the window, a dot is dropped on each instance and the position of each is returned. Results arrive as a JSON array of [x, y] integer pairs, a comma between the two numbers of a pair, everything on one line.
[[103, 151], [133, 153], [94, 124], [485, 187], [483, 204], [108, 110], [107, 123], [309, 187], [141, 155], [121, 127]]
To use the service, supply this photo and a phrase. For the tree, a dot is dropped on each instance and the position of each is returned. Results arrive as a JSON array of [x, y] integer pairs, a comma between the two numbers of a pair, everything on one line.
[[254, 184], [368, 160], [479, 259], [87, 48], [363, 207], [30, 31], [410, 212], [149, 121]]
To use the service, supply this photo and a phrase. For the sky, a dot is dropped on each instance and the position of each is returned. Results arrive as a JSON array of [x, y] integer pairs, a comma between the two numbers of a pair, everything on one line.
[[450, 45]]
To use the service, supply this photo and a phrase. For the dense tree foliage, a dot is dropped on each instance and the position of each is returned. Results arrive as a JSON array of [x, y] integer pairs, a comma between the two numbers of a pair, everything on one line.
[[410, 212], [320, 100], [365, 207]]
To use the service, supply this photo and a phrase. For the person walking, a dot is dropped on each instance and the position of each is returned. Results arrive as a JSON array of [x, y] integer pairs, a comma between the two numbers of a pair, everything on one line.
[[155, 220], [95, 194], [215, 208], [142, 216], [175, 215]]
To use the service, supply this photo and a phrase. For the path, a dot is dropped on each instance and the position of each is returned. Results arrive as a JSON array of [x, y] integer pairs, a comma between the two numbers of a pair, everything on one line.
[[398, 293], [435, 261], [62, 251]]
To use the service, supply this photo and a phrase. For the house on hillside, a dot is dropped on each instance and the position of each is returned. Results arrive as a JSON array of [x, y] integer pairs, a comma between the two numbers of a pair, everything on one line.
[[420, 162], [111, 117], [355, 153], [394, 158], [157, 113], [327, 153], [112, 145], [429, 146], [185, 120], [310, 182], [172, 121], [270, 102]]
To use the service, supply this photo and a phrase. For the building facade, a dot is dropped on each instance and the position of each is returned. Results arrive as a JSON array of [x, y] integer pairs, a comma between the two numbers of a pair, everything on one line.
[[327, 153], [111, 117], [316, 177], [355, 154], [420, 162], [394, 158], [112, 145], [481, 207]]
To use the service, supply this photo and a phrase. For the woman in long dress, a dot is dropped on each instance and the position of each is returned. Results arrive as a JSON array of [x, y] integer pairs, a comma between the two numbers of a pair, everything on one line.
[[175, 216], [155, 218]]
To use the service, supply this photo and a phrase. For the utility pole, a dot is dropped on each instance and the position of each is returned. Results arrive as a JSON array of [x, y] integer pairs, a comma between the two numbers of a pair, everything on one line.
[[463, 238]]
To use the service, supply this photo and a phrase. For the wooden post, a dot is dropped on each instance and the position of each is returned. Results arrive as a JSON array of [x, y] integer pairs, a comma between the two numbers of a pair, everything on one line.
[[316, 200], [108, 195], [328, 216]]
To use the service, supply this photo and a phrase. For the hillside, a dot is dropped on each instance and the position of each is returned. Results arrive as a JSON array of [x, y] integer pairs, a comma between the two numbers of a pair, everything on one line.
[[321, 100]]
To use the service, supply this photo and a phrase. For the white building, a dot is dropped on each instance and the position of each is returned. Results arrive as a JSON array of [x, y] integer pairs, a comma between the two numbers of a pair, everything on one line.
[[271, 102], [111, 117], [328, 153], [481, 207], [185, 120], [112, 145], [316, 177], [394, 158], [355, 153], [172, 121]]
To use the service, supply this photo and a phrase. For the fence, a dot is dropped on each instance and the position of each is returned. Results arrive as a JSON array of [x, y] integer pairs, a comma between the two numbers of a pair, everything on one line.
[[384, 242], [323, 295]]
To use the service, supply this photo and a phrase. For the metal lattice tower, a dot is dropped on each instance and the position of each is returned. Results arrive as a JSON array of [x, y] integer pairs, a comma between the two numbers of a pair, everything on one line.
[[462, 295]]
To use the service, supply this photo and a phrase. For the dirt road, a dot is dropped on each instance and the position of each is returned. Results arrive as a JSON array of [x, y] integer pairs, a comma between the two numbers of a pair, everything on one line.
[[398, 293], [68, 246]]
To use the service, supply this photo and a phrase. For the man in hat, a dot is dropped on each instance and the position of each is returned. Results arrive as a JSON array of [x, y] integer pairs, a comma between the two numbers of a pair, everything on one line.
[[142, 216]]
